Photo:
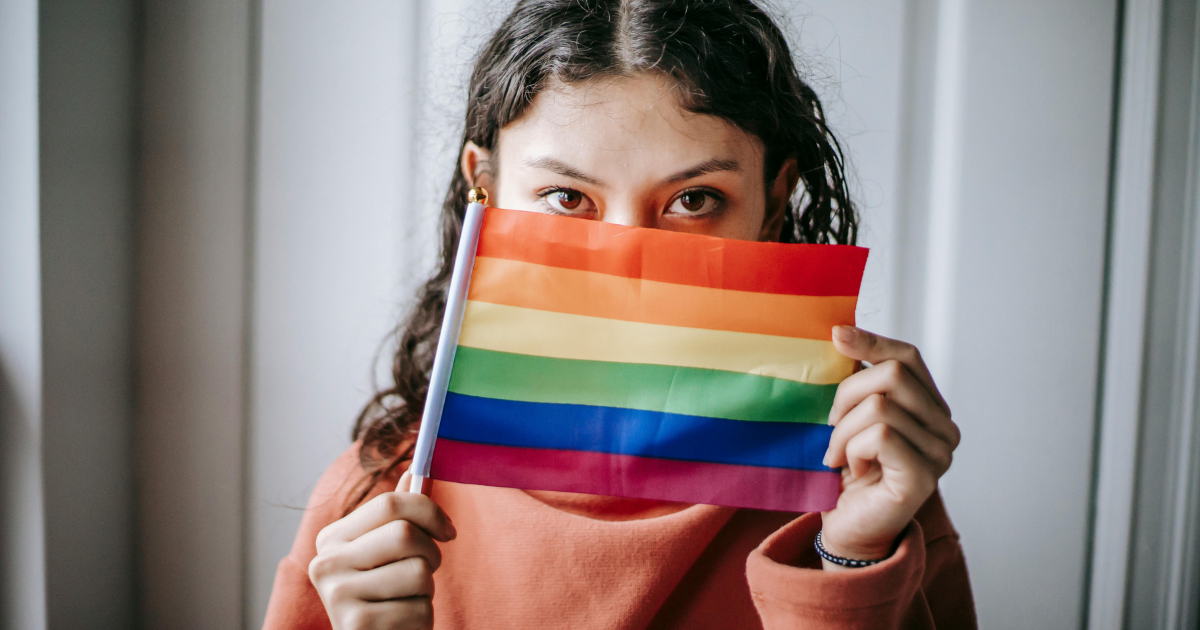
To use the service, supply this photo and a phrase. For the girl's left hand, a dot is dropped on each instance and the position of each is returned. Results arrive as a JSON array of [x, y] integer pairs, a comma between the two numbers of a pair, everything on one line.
[[893, 437]]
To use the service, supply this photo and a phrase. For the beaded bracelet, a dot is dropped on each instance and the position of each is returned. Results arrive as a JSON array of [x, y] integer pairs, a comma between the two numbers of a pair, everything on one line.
[[838, 560]]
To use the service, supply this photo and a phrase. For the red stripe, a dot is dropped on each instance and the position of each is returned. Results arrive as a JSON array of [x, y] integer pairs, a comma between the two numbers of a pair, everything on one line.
[[754, 487], [693, 259]]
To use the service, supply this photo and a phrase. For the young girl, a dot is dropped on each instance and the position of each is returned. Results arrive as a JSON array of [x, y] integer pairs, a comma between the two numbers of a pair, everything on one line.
[[680, 115]]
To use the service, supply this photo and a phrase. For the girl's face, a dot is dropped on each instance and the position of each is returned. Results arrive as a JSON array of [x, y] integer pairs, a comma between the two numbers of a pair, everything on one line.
[[622, 151]]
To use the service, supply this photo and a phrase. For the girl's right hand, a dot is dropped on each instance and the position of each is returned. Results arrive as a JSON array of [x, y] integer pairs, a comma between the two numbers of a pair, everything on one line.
[[374, 568]]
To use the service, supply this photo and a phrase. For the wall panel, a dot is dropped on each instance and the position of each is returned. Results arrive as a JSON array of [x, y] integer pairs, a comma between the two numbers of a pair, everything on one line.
[[86, 97], [190, 337]]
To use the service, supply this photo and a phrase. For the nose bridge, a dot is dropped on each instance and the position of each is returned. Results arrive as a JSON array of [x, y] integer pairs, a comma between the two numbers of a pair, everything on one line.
[[629, 211]]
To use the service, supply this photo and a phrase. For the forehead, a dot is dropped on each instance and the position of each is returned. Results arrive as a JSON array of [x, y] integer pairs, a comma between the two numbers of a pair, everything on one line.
[[628, 119]]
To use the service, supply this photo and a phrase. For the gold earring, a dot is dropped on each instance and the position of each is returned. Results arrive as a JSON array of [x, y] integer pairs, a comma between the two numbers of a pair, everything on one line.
[[478, 195]]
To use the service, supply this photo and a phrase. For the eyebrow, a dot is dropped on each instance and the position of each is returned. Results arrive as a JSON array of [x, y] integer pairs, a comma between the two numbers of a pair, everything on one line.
[[703, 168], [564, 169]]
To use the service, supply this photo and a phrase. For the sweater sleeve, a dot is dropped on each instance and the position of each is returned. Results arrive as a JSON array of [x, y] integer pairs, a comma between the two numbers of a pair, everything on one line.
[[923, 585], [294, 602]]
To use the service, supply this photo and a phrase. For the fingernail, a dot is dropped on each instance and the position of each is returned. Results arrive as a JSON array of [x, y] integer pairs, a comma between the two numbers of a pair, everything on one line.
[[826, 460], [845, 334]]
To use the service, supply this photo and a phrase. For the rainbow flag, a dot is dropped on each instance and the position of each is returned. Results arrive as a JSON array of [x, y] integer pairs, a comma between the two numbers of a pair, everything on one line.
[[634, 362]]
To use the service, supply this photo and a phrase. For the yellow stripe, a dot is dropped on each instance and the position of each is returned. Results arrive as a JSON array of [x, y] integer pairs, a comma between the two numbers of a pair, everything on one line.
[[542, 333]]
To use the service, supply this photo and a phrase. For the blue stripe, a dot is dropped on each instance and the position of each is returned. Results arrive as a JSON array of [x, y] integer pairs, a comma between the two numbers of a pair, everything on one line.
[[795, 445]]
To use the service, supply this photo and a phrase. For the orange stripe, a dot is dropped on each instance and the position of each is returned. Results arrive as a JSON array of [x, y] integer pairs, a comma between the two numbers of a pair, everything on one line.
[[545, 288]]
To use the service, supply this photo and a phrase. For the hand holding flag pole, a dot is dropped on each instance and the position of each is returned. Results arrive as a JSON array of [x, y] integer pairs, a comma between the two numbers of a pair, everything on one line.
[[443, 360]]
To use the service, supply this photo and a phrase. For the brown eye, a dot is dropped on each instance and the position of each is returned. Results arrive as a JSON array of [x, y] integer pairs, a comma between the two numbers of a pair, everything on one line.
[[695, 203], [692, 201], [569, 199]]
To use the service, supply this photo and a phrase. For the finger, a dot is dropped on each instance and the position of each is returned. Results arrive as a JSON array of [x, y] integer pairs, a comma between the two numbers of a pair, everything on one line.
[[856, 343], [877, 409], [391, 542], [905, 473], [411, 577], [894, 380], [390, 506], [412, 613]]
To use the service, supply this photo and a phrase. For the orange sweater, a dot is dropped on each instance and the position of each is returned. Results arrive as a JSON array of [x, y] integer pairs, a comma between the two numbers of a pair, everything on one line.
[[554, 560]]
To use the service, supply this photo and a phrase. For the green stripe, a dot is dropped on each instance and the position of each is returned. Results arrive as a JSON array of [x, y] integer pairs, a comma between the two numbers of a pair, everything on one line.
[[664, 388]]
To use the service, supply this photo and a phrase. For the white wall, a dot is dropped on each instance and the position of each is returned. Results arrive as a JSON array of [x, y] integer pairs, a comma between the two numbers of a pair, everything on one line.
[[334, 146], [1024, 325], [22, 561]]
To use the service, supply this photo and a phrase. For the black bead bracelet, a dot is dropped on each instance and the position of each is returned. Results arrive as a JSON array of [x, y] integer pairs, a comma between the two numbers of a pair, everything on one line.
[[840, 561]]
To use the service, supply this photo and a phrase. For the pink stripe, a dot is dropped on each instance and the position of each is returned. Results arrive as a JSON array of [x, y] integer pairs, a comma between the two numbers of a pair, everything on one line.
[[754, 487]]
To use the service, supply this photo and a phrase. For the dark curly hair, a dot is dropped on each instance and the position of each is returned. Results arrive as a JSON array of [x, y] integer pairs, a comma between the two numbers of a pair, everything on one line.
[[727, 59]]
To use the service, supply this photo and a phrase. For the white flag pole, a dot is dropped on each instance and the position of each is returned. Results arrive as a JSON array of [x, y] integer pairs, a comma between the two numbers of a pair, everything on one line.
[[443, 360]]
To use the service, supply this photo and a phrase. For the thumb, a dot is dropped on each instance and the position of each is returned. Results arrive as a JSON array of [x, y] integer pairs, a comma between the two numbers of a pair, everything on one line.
[[405, 481]]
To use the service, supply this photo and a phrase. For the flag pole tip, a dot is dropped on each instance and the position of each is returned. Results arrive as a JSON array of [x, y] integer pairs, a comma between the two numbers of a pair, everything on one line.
[[478, 195]]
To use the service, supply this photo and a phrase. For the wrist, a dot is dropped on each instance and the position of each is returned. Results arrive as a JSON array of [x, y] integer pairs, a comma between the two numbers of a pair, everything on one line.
[[862, 551]]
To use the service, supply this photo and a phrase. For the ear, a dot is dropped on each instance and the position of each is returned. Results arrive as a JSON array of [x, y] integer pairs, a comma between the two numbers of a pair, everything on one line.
[[477, 167], [778, 195]]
